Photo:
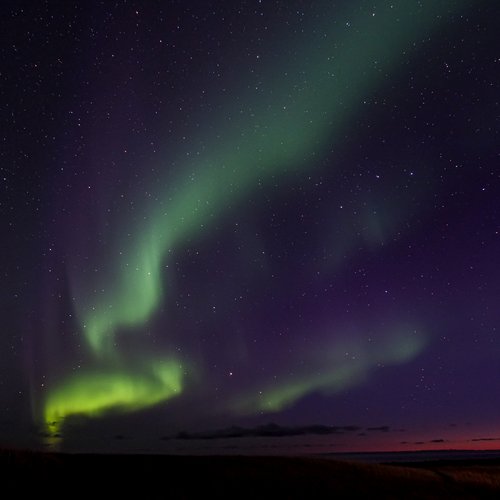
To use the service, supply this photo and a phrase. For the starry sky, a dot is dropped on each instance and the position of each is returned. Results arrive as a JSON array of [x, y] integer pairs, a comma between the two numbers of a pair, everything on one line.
[[252, 220]]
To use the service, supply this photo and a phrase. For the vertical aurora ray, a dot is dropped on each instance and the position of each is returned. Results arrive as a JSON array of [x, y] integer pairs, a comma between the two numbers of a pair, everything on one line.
[[312, 99]]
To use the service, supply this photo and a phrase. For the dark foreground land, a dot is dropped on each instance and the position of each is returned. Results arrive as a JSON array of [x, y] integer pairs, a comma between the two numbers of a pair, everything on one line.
[[154, 476]]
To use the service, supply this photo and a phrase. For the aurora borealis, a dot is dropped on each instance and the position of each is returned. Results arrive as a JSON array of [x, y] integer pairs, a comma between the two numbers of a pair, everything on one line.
[[230, 213]]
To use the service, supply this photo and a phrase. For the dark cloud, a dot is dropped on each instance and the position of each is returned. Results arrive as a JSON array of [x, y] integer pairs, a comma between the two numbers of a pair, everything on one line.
[[269, 430], [486, 439], [382, 428], [433, 441]]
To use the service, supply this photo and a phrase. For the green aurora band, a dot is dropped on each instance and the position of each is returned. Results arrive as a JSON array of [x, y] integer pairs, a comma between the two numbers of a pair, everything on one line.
[[307, 107], [335, 374]]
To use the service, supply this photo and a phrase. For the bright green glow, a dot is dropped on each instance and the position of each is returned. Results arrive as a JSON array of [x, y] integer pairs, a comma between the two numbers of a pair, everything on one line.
[[305, 110], [334, 373], [97, 392]]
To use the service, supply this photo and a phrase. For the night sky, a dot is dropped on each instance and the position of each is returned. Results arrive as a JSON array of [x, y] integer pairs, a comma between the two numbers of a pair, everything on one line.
[[232, 213]]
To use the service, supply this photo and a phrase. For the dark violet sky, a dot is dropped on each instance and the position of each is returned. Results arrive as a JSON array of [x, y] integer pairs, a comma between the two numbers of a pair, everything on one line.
[[223, 213]]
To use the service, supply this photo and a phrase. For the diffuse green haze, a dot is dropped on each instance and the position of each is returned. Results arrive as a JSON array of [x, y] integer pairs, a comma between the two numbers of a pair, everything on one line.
[[309, 105], [333, 371]]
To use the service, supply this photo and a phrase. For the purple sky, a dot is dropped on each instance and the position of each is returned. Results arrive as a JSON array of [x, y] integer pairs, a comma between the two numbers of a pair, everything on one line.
[[222, 214]]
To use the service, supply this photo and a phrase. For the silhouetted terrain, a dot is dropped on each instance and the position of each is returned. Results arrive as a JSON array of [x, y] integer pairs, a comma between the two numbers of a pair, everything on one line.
[[154, 476]]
